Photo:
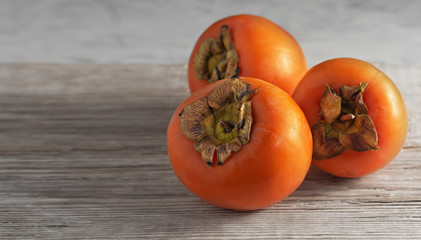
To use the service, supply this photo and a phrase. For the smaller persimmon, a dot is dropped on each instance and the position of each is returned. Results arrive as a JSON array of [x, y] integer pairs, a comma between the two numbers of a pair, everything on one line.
[[357, 115]]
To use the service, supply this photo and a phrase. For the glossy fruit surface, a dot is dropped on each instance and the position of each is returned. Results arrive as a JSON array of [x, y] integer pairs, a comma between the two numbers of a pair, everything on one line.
[[269, 167], [385, 107], [265, 51]]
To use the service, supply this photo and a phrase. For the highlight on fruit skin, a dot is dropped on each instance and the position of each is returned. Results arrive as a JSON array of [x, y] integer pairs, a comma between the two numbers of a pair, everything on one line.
[[240, 143], [246, 45], [357, 115]]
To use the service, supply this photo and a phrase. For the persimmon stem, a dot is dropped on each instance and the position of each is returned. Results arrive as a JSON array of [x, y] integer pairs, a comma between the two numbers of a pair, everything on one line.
[[217, 58], [345, 124], [227, 126], [220, 122], [346, 117]]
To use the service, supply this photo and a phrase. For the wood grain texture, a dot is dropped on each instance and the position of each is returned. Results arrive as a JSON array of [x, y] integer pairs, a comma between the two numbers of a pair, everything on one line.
[[83, 156]]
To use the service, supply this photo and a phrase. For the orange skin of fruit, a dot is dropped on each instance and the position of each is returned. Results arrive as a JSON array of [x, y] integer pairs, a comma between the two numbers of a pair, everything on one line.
[[266, 51], [265, 170], [385, 107]]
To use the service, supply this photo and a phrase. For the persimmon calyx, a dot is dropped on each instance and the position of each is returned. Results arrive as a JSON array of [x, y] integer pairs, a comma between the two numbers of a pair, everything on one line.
[[345, 124], [221, 121], [217, 58]]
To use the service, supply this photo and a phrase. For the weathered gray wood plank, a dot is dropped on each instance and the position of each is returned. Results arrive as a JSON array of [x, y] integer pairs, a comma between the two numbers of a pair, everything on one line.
[[83, 156]]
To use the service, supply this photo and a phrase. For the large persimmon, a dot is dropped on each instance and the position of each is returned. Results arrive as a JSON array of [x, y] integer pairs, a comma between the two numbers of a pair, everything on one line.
[[357, 115], [248, 45], [240, 143]]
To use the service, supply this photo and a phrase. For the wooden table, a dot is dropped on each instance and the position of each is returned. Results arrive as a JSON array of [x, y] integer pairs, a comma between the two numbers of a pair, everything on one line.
[[83, 156]]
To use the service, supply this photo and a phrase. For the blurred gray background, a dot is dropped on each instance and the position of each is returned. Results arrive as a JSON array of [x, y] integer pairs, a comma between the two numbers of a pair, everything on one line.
[[164, 32]]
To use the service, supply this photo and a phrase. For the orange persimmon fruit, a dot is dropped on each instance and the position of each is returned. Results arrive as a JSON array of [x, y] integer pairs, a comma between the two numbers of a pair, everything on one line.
[[357, 116], [250, 46], [240, 144]]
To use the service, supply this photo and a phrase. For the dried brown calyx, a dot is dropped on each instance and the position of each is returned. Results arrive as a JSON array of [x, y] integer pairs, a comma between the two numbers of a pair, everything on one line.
[[217, 58], [221, 121], [345, 124]]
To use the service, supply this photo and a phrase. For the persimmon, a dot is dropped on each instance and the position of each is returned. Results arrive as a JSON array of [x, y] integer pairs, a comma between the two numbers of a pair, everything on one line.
[[357, 116], [248, 45], [240, 143]]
